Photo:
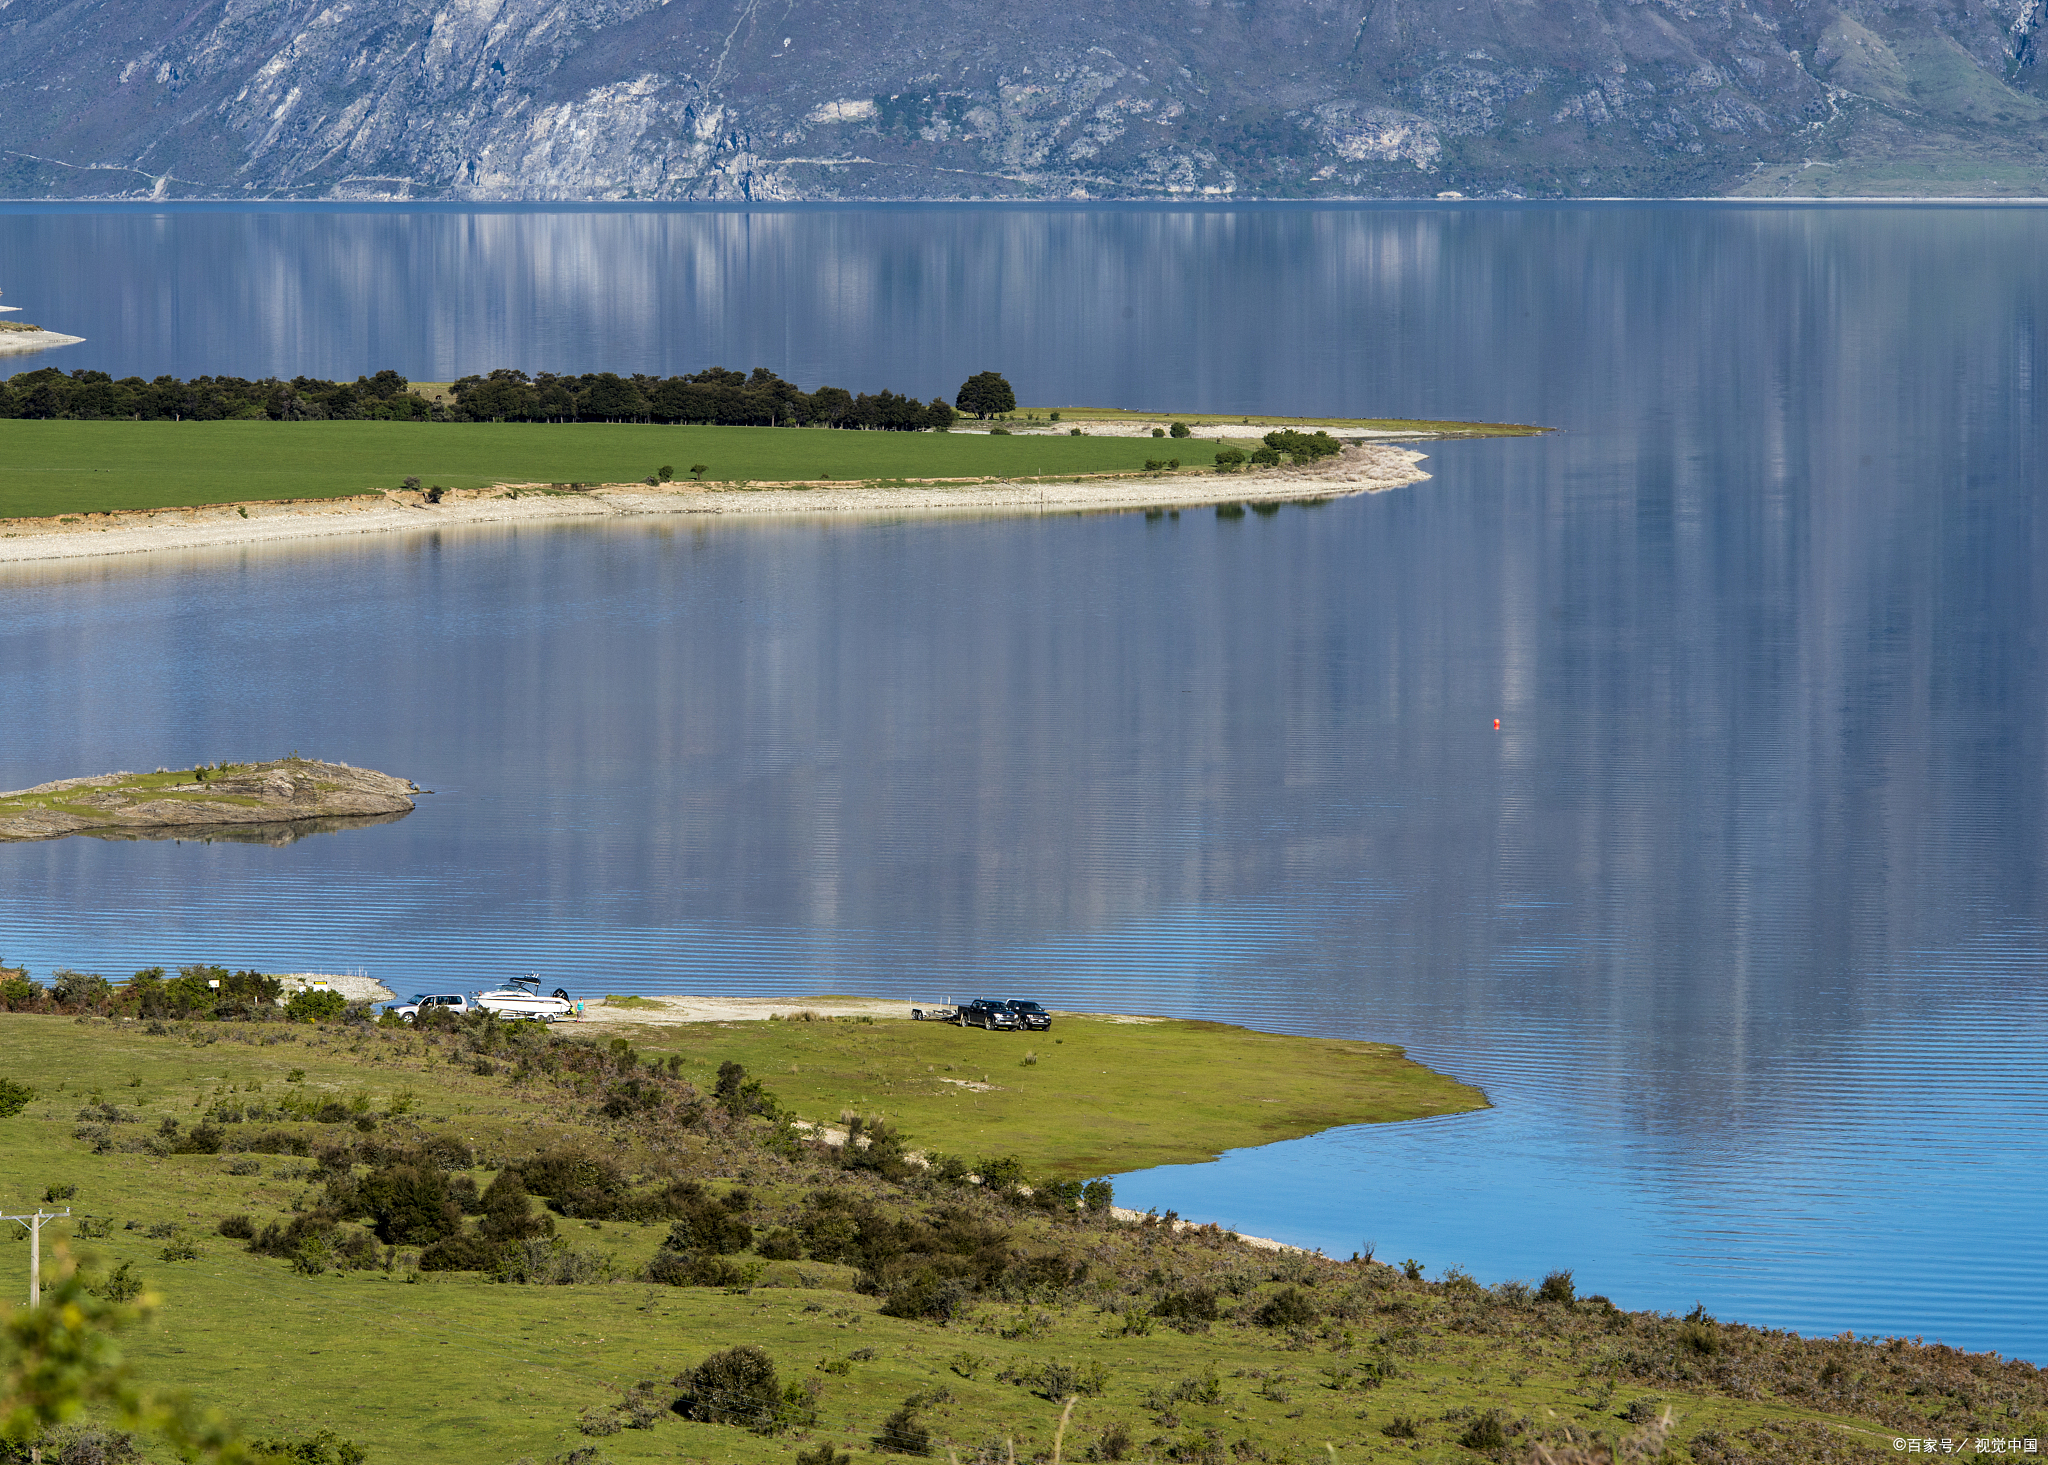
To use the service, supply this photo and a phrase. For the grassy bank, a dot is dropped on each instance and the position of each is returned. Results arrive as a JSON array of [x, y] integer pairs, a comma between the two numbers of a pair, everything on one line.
[[1186, 1346], [1092, 1097]]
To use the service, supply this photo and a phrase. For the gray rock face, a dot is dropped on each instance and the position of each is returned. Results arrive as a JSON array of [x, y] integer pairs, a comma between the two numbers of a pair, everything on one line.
[[828, 99]]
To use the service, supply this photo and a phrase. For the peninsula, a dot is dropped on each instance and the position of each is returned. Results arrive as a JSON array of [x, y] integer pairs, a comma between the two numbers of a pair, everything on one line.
[[228, 796]]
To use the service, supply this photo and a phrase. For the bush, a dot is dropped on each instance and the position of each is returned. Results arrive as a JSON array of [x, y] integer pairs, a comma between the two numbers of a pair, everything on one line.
[[737, 1386], [691, 1269], [243, 1165], [1193, 1308], [323, 1447], [1179, 429], [14, 1097], [83, 1444], [123, 1284], [1266, 457], [708, 1227], [1114, 1443], [902, 1433], [409, 1205], [930, 1297], [1487, 1432], [308, 1005], [548, 1263], [1303, 447], [1557, 1287], [1159, 432], [467, 1252], [1230, 460], [1098, 1195], [1400, 1427], [822, 1455], [237, 1228], [1290, 1307]]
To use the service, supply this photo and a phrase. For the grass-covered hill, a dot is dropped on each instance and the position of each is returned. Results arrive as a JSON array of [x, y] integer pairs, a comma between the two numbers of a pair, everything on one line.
[[482, 1242]]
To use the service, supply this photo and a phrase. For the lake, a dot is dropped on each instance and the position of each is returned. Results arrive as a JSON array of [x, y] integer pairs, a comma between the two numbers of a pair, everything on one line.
[[1738, 918]]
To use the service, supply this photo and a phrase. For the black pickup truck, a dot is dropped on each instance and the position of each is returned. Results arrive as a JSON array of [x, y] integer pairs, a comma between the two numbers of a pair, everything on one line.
[[1030, 1016], [986, 1012]]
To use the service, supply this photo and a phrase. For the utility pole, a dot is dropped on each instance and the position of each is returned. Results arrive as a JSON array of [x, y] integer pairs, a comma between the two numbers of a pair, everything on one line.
[[34, 1224]]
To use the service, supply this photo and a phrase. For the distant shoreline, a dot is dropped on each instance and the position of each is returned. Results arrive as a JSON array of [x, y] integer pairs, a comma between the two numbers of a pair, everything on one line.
[[1359, 469]]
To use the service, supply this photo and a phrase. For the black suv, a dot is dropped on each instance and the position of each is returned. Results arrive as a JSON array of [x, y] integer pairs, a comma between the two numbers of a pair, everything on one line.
[[986, 1012], [1030, 1016]]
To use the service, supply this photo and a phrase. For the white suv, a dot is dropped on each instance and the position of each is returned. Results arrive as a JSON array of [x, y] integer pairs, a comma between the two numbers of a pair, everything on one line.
[[454, 1001]]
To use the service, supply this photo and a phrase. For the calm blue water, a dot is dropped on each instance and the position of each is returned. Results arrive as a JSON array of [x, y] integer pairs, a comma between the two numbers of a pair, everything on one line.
[[1739, 919]]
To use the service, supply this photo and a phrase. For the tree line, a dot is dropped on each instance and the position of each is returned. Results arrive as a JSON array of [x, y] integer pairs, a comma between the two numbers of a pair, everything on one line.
[[716, 396]]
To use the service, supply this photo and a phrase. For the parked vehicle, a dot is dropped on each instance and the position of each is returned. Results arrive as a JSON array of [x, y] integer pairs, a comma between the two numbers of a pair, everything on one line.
[[522, 997], [409, 1009], [1030, 1016], [934, 1014], [987, 1012]]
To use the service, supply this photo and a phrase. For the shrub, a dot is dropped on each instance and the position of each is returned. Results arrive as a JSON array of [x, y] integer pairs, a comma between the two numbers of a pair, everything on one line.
[[14, 1097], [1486, 1432], [1230, 460], [123, 1284], [1073, 432], [237, 1228], [1290, 1307], [1400, 1427], [466, 1252], [737, 1386], [244, 1165], [708, 1227], [1266, 457], [59, 1192], [180, 1250], [1159, 432], [1557, 1287], [1193, 1308], [690, 1269], [1303, 447], [930, 1297], [1114, 1443], [323, 1447], [308, 1005], [1179, 429], [780, 1245], [822, 1455], [410, 1205], [548, 1263], [903, 1433], [1098, 1195]]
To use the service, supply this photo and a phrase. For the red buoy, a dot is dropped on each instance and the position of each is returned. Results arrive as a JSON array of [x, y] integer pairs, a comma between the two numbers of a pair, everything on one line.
[[1496, 724]]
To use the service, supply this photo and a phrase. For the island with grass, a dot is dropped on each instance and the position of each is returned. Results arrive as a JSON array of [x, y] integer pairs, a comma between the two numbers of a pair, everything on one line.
[[93, 466], [250, 798]]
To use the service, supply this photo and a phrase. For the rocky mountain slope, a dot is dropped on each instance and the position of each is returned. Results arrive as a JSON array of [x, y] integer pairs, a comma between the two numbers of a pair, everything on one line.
[[869, 99]]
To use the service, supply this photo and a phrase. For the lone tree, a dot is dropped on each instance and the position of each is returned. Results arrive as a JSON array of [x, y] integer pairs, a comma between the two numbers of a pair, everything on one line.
[[985, 394]]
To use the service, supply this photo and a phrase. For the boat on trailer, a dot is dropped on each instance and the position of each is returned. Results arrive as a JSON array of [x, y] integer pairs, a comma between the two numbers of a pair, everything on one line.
[[522, 997]]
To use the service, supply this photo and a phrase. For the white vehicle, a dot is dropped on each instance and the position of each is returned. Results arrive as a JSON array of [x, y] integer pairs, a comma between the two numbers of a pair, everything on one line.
[[454, 1002], [522, 997]]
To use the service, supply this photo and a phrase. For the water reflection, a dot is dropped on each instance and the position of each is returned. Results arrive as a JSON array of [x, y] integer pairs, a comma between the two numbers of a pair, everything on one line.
[[1738, 918]]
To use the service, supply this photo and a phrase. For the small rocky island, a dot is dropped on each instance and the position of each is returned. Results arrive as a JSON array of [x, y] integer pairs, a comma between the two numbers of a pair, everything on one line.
[[225, 798]]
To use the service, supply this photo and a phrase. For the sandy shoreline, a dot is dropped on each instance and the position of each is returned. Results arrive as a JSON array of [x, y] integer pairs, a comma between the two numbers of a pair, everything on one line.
[[1367, 469]]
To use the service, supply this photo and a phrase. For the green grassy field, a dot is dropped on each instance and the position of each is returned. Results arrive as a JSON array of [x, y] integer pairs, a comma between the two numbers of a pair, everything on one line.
[[61, 467], [1371, 1363], [1095, 1096]]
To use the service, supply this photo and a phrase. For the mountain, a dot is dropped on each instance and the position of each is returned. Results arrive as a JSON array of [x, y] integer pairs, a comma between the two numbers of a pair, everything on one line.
[[878, 99]]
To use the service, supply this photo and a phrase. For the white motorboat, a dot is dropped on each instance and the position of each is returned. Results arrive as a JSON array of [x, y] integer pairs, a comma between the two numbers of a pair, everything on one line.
[[522, 997]]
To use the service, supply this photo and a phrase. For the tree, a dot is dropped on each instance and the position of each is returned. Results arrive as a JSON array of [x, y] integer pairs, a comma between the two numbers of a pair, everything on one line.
[[984, 395]]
